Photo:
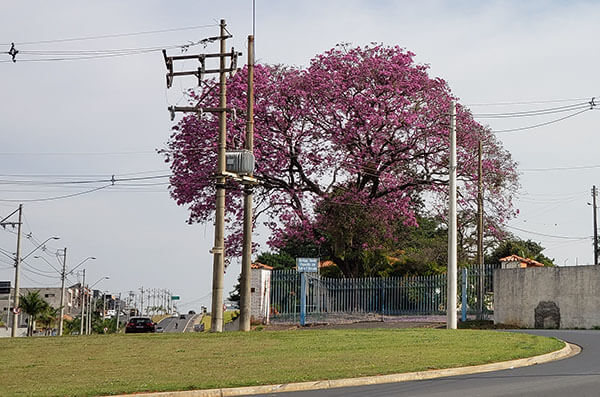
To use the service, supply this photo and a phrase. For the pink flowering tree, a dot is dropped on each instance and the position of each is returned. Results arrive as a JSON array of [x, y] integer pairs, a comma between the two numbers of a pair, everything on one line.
[[364, 128]]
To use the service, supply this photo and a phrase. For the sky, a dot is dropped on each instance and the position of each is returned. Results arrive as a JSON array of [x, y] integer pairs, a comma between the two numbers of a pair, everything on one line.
[[90, 119]]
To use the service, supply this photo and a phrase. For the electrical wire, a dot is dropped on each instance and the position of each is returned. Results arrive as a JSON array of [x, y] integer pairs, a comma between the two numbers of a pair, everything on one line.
[[532, 113], [114, 35], [56, 197], [81, 175], [582, 167], [77, 153], [541, 124], [112, 180], [97, 54], [525, 102], [547, 235], [36, 272]]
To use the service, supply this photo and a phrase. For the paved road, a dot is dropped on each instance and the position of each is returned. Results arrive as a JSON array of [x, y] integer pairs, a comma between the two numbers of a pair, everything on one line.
[[573, 377], [175, 324]]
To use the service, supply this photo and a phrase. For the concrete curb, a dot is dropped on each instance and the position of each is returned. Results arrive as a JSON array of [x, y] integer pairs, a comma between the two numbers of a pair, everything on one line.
[[568, 351]]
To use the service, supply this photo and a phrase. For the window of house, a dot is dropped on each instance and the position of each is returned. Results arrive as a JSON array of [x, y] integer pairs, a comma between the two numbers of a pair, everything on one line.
[[48, 295]]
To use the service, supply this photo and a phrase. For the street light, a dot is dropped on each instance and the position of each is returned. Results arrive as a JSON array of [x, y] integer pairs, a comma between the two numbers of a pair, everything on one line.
[[18, 260], [63, 276], [89, 316]]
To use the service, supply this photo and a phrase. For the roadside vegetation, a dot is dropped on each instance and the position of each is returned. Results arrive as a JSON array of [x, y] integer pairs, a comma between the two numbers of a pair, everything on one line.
[[118, 363], [228, 316]]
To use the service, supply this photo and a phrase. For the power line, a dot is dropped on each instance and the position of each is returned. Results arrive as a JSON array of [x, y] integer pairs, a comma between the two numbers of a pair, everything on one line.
[[581, 167], [541, 124], [111, 180], [534, 102], [113, 35], [125, 153], [532, 113], [56, 197], [96, 54], [81, 175], [547, 235]]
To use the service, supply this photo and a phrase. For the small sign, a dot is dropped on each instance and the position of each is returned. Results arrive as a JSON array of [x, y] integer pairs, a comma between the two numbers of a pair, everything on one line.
[[16, 310], [175, 298], [307, 265]]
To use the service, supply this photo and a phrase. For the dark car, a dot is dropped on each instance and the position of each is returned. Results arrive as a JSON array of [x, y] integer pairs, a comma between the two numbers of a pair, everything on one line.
[[191, 312], [140, 324], [182, 316]]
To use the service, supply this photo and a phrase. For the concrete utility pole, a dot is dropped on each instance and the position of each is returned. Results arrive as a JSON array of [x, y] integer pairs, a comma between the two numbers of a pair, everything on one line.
[[15, 324], [219, 246], [245, 305], [82, 304], [594, 193], [142, 301], [218, 249], [103, 305], [452, 265], [118, 312], [63, 275], [481, 289], [89, 313]]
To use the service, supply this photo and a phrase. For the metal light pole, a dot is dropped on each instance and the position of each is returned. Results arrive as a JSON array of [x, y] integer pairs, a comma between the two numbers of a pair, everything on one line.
[[118, 313], [63, 276], [594, 193], [452, 260], [83, 299], [18, 261], [89, 322]]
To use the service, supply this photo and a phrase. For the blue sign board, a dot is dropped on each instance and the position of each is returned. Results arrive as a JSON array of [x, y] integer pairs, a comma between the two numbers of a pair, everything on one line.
[[307, 265]]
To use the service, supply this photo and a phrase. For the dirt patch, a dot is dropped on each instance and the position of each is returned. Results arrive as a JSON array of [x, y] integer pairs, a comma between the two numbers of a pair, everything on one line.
[[359, 325]]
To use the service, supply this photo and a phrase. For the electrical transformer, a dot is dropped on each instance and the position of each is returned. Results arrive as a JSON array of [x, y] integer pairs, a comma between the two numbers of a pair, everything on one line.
[[239, 162]]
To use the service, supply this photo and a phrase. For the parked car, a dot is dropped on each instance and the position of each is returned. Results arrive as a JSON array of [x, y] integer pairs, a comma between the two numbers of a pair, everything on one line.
[[140, 324], [191, 312], [159, 329], [182, 316]]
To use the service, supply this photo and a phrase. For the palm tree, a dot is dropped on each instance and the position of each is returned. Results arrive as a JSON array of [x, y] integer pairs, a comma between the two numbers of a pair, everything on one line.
[[33, 305], [48, 317]]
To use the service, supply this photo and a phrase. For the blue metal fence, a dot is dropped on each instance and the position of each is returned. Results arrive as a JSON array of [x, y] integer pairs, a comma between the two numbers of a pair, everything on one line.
[[333, 297]]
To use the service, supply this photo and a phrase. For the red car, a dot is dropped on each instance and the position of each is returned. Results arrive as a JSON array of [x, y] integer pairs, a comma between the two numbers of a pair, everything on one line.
[[140, 324]]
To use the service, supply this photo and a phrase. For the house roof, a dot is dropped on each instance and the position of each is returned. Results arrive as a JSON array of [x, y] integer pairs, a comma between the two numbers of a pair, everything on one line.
[[258, 265], [517, 258], [326, 263]]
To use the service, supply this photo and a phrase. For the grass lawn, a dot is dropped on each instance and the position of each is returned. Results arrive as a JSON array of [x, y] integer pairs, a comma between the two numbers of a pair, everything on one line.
[[119, 363]]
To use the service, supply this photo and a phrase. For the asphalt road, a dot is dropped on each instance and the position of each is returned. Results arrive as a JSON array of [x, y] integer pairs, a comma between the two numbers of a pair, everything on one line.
[[573, 377], [175, 324]]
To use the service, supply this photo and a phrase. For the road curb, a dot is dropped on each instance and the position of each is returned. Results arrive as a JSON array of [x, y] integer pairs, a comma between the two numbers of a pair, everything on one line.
[[568, 351]]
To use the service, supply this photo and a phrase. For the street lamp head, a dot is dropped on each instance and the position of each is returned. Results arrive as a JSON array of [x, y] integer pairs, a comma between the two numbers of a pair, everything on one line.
[[92, 257], [55, 238]]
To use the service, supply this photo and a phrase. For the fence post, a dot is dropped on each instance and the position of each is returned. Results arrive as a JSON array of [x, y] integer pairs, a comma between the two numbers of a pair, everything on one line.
[[464, 294], [302, 298]]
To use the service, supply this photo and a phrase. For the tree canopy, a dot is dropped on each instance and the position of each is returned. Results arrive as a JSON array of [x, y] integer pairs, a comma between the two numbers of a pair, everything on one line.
[[360, 134], [523, 248]]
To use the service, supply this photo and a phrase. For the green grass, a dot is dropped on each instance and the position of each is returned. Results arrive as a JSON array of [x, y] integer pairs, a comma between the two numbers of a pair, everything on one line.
[[111, 364]]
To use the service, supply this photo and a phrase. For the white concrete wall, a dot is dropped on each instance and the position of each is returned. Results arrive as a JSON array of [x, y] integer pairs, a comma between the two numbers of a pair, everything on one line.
[[575, 290], [260, 295]]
